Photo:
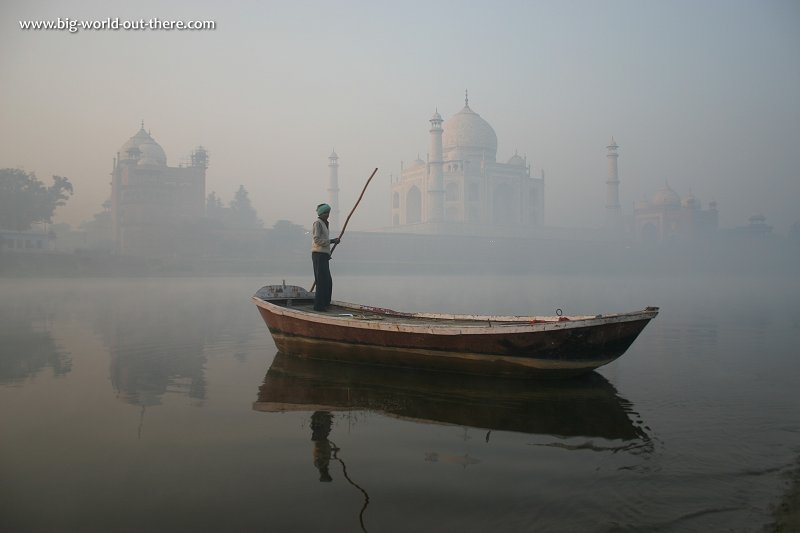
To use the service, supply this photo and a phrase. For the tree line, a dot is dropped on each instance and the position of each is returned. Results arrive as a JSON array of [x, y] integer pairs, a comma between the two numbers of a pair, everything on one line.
[[25, 200]]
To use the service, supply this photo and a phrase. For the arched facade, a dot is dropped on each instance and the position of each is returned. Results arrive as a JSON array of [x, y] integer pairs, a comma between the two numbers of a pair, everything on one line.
[[504, 211], [413, 206]]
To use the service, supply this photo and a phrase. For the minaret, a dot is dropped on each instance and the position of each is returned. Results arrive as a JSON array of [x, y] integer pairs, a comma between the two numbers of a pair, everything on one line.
[[436, 171], [333, 190], [613, 212]]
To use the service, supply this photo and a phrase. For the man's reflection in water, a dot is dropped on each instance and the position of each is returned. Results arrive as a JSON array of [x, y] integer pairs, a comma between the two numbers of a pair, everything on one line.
[[320, 429], [325, 450]]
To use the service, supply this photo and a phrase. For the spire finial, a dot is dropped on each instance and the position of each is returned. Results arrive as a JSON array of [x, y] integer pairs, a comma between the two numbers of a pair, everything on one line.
[[142, 123], [466, 98]]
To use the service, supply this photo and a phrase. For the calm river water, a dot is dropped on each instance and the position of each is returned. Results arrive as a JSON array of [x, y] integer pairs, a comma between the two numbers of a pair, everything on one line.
[[155, 405]]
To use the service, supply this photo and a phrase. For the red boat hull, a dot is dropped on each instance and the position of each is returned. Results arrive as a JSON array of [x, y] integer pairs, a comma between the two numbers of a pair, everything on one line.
[[557, 348]]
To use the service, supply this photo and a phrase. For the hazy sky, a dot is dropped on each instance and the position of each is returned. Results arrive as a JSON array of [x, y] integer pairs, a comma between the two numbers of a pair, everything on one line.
[[704, 95]]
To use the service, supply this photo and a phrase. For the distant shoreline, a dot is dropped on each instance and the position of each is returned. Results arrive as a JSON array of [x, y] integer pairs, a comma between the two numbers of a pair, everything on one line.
[[366, 253]]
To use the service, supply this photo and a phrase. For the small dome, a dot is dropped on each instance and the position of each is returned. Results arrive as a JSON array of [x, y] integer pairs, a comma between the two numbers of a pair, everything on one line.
[[690, 202], [467, 134], [666, 197], [516, 160], [134, 148]]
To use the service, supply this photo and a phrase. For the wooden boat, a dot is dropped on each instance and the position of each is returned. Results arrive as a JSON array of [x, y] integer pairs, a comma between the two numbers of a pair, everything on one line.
[[588, 406], [519, 346]]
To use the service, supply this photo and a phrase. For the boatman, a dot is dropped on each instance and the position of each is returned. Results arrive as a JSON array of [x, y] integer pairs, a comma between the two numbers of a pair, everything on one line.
[[321, 256]]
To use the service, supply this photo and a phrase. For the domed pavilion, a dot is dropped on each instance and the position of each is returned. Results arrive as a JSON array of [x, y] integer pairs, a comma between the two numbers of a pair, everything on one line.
[[668, 217], [150, 200]]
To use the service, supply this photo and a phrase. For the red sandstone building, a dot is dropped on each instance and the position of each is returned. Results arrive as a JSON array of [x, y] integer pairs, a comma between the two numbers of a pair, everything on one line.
[[152, 204]]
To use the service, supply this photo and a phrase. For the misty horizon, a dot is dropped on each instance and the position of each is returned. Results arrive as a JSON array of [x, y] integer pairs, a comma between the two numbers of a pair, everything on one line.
[[700, 96]]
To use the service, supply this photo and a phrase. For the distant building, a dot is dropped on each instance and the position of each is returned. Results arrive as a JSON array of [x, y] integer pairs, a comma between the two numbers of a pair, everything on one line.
[[26, 241], [333, 191], [756, 227], [614, 220], [461, 188], [667, 217], [152, 202]]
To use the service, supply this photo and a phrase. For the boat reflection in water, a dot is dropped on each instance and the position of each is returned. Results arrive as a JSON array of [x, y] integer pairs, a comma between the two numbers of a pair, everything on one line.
[[586, 406]]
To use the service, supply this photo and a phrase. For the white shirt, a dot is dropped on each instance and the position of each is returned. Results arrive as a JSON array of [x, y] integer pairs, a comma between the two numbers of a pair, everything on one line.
[[320, 237]]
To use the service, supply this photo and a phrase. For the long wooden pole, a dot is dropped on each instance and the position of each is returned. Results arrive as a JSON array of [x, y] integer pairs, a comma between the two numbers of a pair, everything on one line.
[[344, 227]]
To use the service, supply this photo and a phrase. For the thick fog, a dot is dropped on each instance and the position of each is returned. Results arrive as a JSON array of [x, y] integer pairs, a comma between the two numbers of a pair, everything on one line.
[[700, 95]]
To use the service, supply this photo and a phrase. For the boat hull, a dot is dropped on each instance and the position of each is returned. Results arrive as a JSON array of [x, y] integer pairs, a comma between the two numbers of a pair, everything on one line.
[[518, 348]]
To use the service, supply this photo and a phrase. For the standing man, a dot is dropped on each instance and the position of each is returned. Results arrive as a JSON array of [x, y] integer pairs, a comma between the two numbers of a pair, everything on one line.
[[321, 256]]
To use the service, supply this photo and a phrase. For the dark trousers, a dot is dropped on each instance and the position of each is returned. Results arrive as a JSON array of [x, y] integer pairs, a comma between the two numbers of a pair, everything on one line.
[[322, 277]]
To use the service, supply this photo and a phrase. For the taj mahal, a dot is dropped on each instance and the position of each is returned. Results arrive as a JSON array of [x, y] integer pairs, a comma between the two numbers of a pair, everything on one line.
[[461, 187]]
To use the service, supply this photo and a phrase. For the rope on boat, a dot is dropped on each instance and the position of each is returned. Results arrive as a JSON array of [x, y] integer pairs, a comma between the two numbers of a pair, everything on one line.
[[361, 317]]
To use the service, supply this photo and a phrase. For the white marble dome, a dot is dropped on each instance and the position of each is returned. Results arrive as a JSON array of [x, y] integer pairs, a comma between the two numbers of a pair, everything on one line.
[[467, 135]]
